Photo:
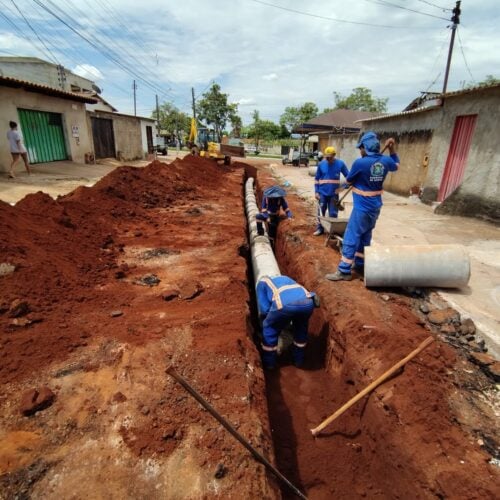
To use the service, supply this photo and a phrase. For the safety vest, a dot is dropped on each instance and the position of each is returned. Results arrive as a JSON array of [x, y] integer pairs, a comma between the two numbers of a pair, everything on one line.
[[278, 292]]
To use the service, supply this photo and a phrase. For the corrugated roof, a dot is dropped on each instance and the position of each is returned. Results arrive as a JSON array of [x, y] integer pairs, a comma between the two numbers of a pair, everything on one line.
[[439, 97], [338, 120], [7, 81]]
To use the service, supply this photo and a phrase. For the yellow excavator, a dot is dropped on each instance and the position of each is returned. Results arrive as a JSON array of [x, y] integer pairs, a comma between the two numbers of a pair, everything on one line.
[[203, 142]]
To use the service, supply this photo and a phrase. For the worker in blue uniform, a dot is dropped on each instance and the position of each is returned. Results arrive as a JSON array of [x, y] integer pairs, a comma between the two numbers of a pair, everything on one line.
[[273, 201], [366, 178], [281, 301], [327, 185]]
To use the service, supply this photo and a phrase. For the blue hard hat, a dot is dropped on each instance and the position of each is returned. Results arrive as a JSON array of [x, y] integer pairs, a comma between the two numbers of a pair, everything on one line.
[[274, 192], [370, 142]]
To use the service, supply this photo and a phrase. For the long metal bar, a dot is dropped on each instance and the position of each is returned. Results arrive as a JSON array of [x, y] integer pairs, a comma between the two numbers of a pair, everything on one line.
[[259, 457]]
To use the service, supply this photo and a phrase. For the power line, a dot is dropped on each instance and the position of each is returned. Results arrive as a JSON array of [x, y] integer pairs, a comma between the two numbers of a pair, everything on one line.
[[463, 55], [389, 4], [434, 5], [52, 56], [335, 19], [96, 46]]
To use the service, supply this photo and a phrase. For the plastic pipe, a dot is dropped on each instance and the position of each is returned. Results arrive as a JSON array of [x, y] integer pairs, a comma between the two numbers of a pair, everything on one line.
[[446, 266], [263, 259]]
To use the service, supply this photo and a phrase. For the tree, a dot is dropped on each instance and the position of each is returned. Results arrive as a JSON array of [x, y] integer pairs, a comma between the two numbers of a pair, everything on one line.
[[488, 80], [235, 121], [293, 116], [262, 129], [215, 110], [174, 122], [361, 99]]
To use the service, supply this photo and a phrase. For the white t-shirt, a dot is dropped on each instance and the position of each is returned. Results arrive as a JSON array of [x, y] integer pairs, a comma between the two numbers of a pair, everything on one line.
[[14, 136]]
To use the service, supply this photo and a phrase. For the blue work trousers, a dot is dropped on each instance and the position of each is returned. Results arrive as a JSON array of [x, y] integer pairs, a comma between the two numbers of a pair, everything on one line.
[[357, 236], [298, 313], [326, 202]]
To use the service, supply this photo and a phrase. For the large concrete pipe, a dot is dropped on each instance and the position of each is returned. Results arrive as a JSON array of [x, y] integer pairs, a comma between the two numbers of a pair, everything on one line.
[[445, 266], [263, 260]]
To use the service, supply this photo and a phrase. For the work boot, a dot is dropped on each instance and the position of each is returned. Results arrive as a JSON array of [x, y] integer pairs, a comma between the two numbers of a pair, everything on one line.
[[338, 276], [318, 232]]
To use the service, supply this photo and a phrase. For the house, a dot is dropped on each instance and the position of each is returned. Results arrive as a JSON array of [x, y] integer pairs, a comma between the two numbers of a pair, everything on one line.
[[32, 69], [53, 121], [121, 136], [449, 150], [107, 132], [339, 128]]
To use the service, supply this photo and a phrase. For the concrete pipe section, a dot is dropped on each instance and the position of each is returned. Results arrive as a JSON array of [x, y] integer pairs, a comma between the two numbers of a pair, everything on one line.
[[263, 260], [312, 171], [445, 266]]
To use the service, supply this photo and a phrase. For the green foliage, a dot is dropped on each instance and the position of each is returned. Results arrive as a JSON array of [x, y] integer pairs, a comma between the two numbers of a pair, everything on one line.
[[215, 110], [361, 99], [293, 116], [262, 130], [175, 122], [488, 80]]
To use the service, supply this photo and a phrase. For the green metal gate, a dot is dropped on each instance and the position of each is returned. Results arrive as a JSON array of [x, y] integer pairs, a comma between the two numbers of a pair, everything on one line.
[[43, 135]]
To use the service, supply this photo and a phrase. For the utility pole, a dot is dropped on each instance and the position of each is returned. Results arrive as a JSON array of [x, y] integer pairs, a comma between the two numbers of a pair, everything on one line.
[[157, 116], [134, 86], [455, 19], [194, 103]]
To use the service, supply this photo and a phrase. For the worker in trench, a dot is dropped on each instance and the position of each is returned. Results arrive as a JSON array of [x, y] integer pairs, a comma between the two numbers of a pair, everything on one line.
[[282, 301], [273, 201], [366, 177], [327, 185]]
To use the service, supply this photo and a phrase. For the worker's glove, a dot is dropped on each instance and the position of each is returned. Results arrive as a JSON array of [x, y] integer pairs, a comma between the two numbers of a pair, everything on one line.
[[317, 196], [289, 214]]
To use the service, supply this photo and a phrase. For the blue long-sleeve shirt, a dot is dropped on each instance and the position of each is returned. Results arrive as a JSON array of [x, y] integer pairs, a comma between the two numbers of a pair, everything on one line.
[[272, 205], [327, 177], [276, 292], [367, 176]]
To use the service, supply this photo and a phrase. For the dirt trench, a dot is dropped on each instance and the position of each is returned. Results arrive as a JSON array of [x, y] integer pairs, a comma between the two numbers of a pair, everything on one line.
[[419, 435], [101, 290]]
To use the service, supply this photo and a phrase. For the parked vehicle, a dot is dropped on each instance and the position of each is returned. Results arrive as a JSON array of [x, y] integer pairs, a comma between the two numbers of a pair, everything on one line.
[[297, 159], [161, 145], [249, 148]]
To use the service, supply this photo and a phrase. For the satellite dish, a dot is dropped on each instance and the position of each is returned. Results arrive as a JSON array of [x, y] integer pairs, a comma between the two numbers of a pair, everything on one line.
[[96, 88]]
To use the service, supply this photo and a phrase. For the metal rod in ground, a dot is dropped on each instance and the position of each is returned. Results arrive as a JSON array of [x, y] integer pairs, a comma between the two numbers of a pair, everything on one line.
[[182, 381], [372, 386]]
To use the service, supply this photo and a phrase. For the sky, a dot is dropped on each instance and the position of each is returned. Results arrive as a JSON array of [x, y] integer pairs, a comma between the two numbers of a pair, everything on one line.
[[266, 55]]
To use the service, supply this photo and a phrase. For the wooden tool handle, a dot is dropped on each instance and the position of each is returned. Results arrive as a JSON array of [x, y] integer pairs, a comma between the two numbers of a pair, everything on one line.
[[372, 386]]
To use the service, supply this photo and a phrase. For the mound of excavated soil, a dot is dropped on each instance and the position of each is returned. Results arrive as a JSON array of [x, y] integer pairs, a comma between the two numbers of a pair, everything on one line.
[[111, 284]]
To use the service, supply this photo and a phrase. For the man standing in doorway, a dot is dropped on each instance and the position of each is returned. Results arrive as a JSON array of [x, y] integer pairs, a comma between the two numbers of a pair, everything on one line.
[[17, 149], [367, 178], [326, 185]]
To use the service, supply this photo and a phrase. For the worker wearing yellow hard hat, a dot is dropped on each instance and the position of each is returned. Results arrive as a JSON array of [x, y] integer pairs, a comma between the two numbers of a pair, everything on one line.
[[327, 185]]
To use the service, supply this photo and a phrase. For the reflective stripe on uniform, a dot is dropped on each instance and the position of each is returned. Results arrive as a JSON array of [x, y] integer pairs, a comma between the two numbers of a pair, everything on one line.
[[359, 254], [329, 181], [346, 260], [269, 348], [366, 193], [300, 344], [277, 291]]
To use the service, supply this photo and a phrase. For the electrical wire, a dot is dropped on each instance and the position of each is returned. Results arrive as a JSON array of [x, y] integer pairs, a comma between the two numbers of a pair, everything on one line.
[[389, 4], [22, 35], [463, 55], [97, 47], [338, 20], [51, 54], [437, 6]]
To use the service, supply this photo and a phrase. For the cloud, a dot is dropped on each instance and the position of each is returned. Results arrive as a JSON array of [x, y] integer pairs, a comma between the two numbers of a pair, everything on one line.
[[88, 71], [267, 58]]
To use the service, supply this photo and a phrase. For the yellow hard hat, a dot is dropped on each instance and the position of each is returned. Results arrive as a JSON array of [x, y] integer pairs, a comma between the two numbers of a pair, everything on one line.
[[330, 151]]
